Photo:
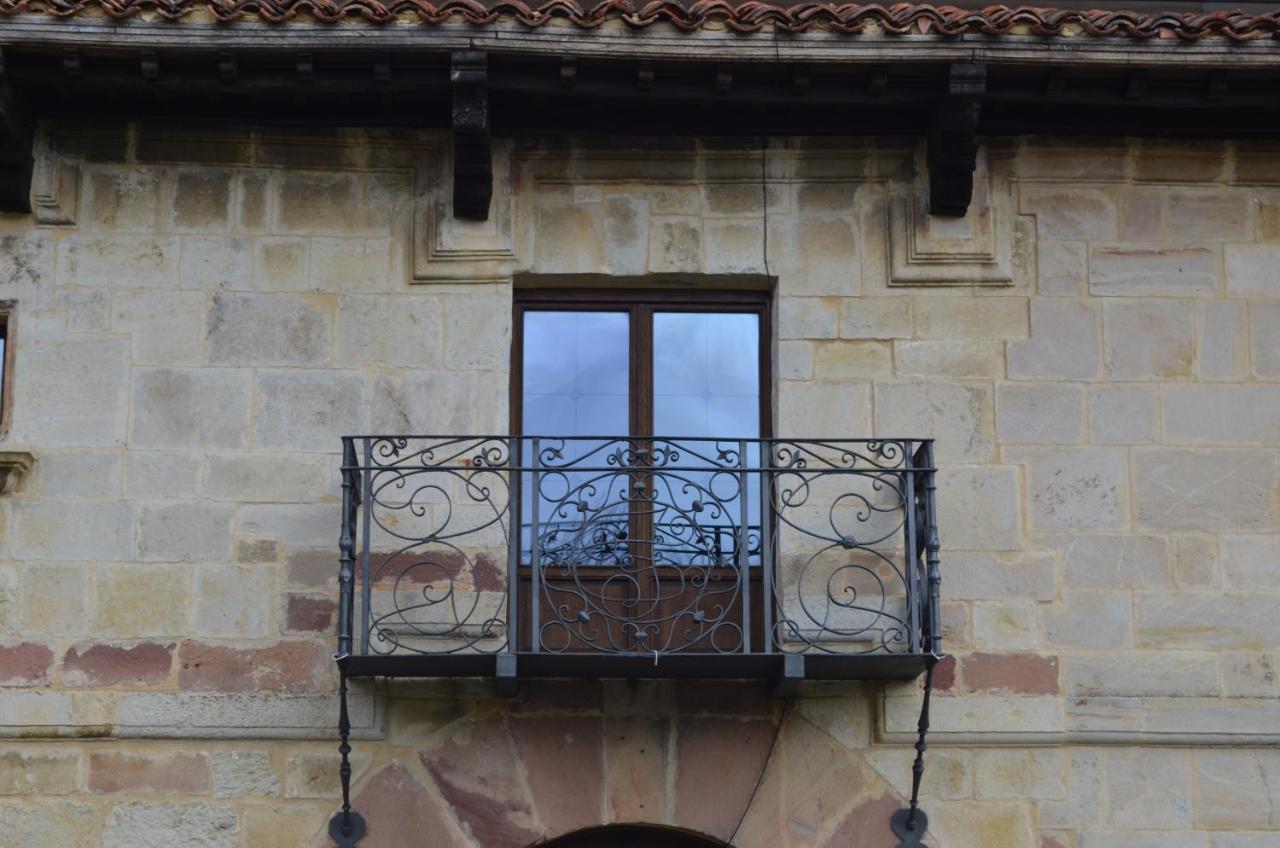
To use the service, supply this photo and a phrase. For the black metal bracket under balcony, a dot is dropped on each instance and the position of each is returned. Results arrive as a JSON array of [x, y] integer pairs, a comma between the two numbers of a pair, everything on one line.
[[628, 557]]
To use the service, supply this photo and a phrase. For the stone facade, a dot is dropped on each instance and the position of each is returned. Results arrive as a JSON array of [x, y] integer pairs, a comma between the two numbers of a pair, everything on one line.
[[1096, 348]]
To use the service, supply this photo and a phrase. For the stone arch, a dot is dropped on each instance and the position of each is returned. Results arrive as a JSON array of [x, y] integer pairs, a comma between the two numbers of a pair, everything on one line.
[[633, 836], [717, 760]]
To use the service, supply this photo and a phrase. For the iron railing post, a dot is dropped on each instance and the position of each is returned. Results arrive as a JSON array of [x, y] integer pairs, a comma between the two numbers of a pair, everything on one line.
[[767, 599], [513, 544], [932, 547], [915, 569], [744, 546], [366, 590], [535, 549], [346, 548]]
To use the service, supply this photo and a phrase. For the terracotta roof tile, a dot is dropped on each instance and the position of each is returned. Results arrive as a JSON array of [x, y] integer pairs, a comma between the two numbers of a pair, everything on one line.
[[740, 15]]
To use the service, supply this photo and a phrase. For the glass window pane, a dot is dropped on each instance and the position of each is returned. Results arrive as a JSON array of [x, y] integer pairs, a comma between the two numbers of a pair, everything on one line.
[[576, 374], [706, 374]]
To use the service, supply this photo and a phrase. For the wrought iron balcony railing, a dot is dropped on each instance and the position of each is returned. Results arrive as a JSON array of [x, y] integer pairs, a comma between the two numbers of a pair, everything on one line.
[[630, 557]]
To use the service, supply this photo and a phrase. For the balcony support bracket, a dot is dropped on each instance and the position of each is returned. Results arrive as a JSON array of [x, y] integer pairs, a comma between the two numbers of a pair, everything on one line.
[[345, 828], [911, 822], [787, 683], [472, 149], [17, 138], [505, 679], [953, 140]]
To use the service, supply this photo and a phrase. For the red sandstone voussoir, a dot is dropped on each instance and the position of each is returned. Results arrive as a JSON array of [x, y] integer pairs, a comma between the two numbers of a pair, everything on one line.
[[143, 664]]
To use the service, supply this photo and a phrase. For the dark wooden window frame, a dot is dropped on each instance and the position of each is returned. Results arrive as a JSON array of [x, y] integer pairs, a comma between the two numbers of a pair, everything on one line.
[[640, 304], [8, 323]]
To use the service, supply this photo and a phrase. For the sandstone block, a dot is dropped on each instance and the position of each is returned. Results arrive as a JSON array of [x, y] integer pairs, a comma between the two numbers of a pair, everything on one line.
[[296, 525], [138, 601], [1264, 321], [737, 247], [1013, 774], [1064, 342], [184, 532], [852, 360], [293, 667], [243, 773], [1251, 562], [249, 551], [161, 474], [1005, 625], [282, 263], [1065, 213], [316, 203], [626, 233], [234, 600], [1155, 269], [92, 530], [39, 771], [164, 825], [172, 774], [971, 317], [841, 408], [567, 240], [53, 598], [795, 360], [268, 329], [309, 614], [985, 576], [124, 260], [1222, 489], [267, 478], [1251, 269], [1205, 620], [959, 359], [10, 609], [807, 318], [308, 410], [197, 408], [1195, 560], [121, 198], [1149, 788], [825, 260], [1250, 675], [675, 246], [1141, 674], [62, 823], [1075, 487], [86, 311], [1104, 561], [1224, 351], [201, 200], [1039, 414], [960, 416], [72, 393], [477, 331], [345, 264], [414, 402], [1218, 414], [1122, 415], [165, 325], [26, 265], [140, 664], [563, 758], [718, 763], [403, 332], [315, 775], [876, 318], [1009, 673], [1088, 620], [1238, 789], [965, 824], [1062, 267], [25, 664], [216, 262], [1083, 804], [74, 474], [1149, 339], [395, 803], [1158, 160], [287, 824], [1197, 216]]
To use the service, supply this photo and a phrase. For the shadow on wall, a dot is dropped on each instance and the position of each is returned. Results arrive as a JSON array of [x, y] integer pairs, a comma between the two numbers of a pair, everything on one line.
[[633, 836]]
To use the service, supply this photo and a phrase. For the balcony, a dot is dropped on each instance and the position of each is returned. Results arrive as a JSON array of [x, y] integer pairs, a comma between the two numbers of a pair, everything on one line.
[[559, 556]]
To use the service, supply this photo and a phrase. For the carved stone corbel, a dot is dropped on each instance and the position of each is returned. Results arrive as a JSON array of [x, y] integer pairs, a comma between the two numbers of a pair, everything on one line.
[[14, 465], [16, 140], [953, 139], [472, 150]]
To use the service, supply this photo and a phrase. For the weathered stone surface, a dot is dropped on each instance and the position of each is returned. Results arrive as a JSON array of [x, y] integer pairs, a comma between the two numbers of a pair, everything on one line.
[[1088, 620], [410, 403], [268, 329], [1222, 414], [1064, 343], [309, 614], [72, 393], [965, 824], [1141, 674], [1062, 268], [25, 664], [140, 664], [165, 325], [1159, 269], [26, 265], [282, 824], [959, 416], [1009, 673], [307, 410], [95, 530], [1075, 487], [850, 360], [1200, 215], [718, 763], [74, 474], [184, 532], [1264, 323], [121, 198], [1149, 339], [1137, 800], [807, 318], [1104, 561], [241, 773], [234, 601], [1239, 790], [39, 771], [1195, 560], [400, 811], [1007, 625], [53, 599], [315, 203], [1069, 213], [801, 404], [403, 332], [564, 765], [1251, 269], [1223, 353], [173, 774], [201, 200], [1014, 774], [164, 825], [1205, 620], [283, 667], [315, 775], [1204, 490], [979, 576], [118, 261], [875, 318], [1251, 562], [675, 246], [960, 359], [1039, 414], [737, 247], [795, 360], [266, 478], [163, 474], [1085, 798], [216, 262], [65, 824], [138, 601], [282, 264], [1122, 415], [198, 407], [296, 525], [978, 508]]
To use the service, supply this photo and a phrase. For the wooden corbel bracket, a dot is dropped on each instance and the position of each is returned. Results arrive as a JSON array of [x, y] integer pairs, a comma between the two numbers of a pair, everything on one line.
[[472, 150], [16, 139], [953, 139]]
